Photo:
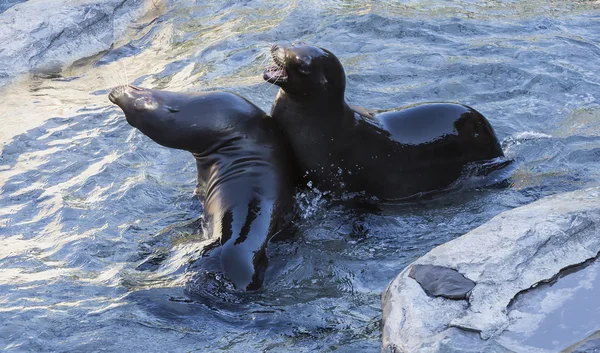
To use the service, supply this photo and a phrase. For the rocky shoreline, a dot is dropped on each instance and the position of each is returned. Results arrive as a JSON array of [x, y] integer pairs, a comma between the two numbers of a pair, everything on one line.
[[45, 36], [507, 258]]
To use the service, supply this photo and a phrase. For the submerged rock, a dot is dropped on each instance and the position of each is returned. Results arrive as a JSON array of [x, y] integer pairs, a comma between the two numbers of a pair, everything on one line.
[[45, 36], [508, 257]]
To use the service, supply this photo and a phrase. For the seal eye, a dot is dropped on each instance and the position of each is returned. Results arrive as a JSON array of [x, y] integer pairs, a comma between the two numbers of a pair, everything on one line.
[[304, 69]]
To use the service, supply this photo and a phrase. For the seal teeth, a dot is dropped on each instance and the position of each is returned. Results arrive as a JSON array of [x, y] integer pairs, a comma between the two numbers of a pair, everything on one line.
[[278, 61], [276, 72], [277, 55]]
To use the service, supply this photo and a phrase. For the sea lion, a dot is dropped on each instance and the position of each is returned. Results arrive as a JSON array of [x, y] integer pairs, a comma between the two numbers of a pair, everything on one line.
[[246, 174], [391, 155]]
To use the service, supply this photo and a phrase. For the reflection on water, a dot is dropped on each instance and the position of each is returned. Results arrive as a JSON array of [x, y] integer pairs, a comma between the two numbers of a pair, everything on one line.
[[552, 319], [87, 261]]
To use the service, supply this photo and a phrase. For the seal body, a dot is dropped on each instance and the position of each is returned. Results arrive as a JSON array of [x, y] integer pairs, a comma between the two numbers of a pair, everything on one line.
[[390, 155], [246, 175]]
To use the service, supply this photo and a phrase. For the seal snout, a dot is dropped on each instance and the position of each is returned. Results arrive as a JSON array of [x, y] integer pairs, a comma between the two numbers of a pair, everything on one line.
[[116, 93], [119, 91]]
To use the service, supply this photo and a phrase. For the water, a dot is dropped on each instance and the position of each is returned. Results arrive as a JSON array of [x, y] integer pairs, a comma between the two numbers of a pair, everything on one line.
[[6, 4], [556, 315], [85, 261]]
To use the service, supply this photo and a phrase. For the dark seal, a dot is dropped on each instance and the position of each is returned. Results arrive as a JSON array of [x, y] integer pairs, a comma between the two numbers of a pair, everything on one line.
[[390, 155], [246, 175]]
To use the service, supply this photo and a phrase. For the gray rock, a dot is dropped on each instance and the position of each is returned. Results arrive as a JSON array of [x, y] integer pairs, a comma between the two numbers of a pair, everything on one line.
[[512, 253], [48, 35], [589, 345], [441, 281]]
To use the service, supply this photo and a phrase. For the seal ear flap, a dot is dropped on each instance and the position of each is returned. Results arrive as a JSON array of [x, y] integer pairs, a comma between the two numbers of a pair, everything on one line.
[[171, 109]]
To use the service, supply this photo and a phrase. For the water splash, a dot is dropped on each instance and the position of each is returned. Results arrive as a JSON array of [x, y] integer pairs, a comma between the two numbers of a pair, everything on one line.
[[311, 201]]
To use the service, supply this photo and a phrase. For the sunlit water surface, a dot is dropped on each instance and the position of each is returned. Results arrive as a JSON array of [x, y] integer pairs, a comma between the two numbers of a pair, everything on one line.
[[86, 263]]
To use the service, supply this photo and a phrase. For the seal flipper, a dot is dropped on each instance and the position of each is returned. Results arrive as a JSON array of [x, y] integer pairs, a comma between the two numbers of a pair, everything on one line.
[[364, 112], [239, 255], [171, 109], [245, 232]]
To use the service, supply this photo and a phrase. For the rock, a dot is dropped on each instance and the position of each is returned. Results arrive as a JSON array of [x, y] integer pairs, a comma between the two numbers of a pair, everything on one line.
[[589, 345], [441, 281], [48, 35], [514, 252]]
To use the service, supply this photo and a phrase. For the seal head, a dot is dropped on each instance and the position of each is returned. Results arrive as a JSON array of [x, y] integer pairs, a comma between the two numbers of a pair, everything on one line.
[[306, 70], [164, 117]]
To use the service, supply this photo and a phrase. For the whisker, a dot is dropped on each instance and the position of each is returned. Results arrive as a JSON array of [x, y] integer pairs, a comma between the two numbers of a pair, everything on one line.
[[266, 55], [125, 70], [110, 79], [113, 82], [119, 76], [278, 74]]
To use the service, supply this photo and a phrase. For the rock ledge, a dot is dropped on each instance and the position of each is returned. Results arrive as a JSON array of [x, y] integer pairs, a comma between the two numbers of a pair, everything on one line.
[[509, 255]]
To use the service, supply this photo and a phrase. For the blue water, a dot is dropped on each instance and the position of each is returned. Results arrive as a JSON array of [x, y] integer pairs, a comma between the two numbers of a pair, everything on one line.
[[6, 4], [88, 261]]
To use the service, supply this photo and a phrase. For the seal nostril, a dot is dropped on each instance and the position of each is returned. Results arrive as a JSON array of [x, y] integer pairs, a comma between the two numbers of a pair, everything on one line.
[[112, 97], [135, 87], [274, 47]]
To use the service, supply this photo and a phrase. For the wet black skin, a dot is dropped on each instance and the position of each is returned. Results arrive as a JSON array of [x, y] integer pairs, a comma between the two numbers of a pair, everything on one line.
[[246, 177], [390, 155]]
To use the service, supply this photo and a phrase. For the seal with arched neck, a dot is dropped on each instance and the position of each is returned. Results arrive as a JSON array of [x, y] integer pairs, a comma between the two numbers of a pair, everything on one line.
[[246, 174], [389, 155]]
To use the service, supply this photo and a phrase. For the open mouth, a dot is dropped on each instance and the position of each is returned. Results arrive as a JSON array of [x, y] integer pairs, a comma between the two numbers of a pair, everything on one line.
[[276, 73], [118, 91]]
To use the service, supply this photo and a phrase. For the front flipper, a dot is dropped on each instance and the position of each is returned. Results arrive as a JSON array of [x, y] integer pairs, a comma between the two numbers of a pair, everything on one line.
[[245, 231], [364, 112]]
